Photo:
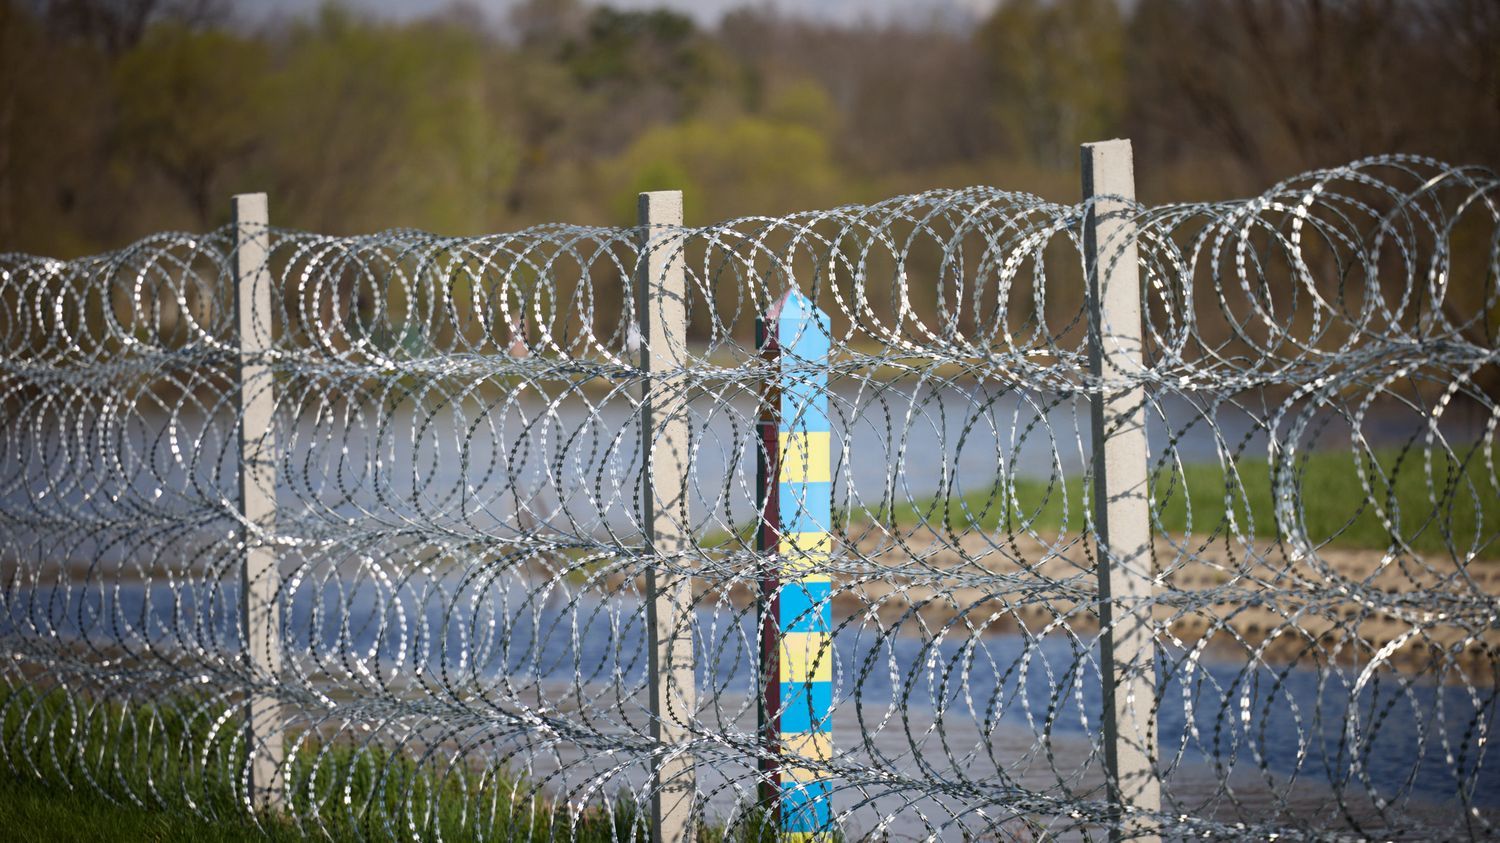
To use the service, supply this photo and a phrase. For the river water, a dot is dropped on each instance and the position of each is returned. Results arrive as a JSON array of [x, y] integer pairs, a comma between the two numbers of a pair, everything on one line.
[[980, 709], [1002, 707]]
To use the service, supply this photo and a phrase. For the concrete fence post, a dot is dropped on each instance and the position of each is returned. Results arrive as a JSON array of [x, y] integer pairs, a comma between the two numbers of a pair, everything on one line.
[[1122, 512], [794, 485], [259, 577], [665, 448]]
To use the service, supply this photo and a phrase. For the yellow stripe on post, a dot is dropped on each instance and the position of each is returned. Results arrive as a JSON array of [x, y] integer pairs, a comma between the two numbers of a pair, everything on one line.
[[805, 746], [792, 772], [805, 543], [814, 746], [804, 457], [803, 555], [806, 837], [806, 657]]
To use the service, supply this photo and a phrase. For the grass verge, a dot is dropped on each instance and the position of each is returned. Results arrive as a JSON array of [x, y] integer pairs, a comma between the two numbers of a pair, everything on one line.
[[1450, 505], [43, 812], [76, 769], [160, 770]]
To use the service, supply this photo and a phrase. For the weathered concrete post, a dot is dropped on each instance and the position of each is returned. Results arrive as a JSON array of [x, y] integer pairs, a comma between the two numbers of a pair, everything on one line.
[[1122, 512], [662, 302], [259, 578], [794, 485]]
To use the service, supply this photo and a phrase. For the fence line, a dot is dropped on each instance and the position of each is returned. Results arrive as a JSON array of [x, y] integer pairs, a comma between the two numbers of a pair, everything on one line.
[[1131, 521]]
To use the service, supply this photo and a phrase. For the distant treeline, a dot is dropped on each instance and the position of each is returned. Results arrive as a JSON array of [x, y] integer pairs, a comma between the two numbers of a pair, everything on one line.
[[123, 117]]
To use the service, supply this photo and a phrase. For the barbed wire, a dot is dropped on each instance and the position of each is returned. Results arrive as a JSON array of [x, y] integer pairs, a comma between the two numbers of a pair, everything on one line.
[[461, 608]]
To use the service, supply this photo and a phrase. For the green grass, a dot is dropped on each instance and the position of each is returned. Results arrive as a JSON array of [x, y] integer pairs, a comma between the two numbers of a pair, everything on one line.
[[39, 810], [109, 771], [1459, 504], [42, 812], [140, 771]]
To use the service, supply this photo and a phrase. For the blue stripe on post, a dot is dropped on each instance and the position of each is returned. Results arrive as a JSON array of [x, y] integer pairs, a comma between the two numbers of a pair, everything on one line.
[[805, 707], [806, 507], [803, 333], [804, 607], [804, 402], [805, 806], [803, 330]]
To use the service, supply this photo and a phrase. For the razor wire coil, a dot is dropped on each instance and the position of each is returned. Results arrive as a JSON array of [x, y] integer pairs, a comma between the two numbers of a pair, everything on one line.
[[461, 603]]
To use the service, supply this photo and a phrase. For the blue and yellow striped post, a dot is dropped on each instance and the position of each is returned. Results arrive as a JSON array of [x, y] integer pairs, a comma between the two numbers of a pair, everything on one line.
[[795, 487]]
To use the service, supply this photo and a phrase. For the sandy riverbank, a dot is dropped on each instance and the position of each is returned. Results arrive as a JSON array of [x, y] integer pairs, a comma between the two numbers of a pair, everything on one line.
[[1419, 614]]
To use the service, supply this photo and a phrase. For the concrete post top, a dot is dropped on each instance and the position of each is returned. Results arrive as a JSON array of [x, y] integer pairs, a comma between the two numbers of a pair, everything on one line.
[[661, 207], [250, 207], [1108, 169]]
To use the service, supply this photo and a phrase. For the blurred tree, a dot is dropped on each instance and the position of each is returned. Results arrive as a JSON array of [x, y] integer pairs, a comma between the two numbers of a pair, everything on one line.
[[1278, 86], [588, 82], [645, 69], [747, 165], [902, 100], [56, 191], [165, 107], [189, 106], [546, 25], [1056, 74], [802, 102], [119, 25], [378, 125], [635, 48]]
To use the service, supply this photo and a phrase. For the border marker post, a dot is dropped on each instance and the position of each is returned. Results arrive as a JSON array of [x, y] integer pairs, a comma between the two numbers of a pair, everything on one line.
[[796, 648]]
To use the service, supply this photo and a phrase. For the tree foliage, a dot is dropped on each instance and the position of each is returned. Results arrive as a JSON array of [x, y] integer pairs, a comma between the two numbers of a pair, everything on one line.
[[121, 117]]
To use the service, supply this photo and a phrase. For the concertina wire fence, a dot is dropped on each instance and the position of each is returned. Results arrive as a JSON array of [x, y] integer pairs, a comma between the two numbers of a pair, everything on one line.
[[468, 627]]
